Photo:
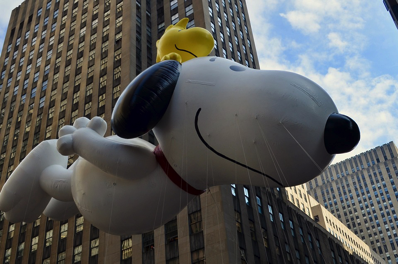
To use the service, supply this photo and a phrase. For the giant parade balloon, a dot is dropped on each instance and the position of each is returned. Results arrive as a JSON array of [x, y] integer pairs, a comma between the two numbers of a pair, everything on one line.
[[217, 122]]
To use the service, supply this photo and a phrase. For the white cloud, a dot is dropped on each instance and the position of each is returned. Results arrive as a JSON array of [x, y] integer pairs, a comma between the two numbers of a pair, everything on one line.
[[310, 16], [306, 22], [335, 41]]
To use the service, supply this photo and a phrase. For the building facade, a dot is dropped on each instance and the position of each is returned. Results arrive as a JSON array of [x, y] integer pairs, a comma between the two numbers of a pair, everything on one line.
[[392, 8], [362, 193], [299, 197]]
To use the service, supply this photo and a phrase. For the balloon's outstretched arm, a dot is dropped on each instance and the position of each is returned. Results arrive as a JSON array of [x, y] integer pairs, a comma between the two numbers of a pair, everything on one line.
[[119, 158]]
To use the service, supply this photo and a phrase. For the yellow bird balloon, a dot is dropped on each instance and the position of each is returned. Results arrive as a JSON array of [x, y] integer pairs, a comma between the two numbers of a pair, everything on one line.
[[182, 44]]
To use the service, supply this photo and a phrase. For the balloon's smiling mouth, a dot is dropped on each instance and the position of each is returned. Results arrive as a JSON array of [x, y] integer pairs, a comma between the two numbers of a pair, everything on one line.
[[225, 157], [185, 51]]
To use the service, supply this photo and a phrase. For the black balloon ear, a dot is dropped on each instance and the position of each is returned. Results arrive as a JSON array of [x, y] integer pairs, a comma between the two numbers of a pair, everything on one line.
[[145, 100]]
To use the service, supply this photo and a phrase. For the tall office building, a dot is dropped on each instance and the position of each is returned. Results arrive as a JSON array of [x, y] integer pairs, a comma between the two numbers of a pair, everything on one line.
[[299, 197], [392, 8], [63, 59], [362, 193]]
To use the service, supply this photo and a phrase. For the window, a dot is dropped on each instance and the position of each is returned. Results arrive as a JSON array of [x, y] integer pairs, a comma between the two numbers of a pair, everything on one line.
[[11, 229], [189, 10], [33, 247], [104, 46], [212, 27], [36, 77], [73, 118], [82, 31], [103, 63], [119, 21], [77, 254], [39, 11], [43, 34], [271, 213], [79, 223], [90, 71], [174, 19], [94, 247], [265, 237], [282, 220], [107, 15], [127, 248], [61, 258], [195, 220], [63, 231], [15, 90], [233, 189], [89, 89], [101, 100], [76, 97], [94, 24], [87, 108], [288, 255], [173, 4], [119, 7], [42, 101], [7, 255], [171, 233], [33, 93], [259, 205], [103, 81], [252, 230], [20, 251], [198, 256], [116, 92], [310, 240], [291, 227], [117, 72], [247, 196], [49, 238], [71, 39]]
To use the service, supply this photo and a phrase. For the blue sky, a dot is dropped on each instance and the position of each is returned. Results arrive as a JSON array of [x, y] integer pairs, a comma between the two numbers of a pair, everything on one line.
[[347, 47]]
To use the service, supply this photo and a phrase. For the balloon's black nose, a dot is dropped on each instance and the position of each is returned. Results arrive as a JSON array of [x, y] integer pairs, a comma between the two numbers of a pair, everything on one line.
[[341, 134]]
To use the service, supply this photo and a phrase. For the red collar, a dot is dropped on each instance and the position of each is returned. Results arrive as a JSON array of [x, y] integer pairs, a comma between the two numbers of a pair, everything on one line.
[[172, 174]]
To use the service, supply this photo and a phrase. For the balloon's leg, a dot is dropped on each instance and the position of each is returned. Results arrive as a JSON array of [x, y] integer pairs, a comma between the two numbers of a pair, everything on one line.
[[22, 198]]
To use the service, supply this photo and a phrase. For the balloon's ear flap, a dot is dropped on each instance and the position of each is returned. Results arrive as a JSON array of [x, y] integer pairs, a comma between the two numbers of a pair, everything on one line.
[[145, 100]]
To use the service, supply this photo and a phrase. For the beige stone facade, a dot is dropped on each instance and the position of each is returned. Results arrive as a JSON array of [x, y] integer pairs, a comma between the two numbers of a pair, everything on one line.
[[299, 196], [361, 192]]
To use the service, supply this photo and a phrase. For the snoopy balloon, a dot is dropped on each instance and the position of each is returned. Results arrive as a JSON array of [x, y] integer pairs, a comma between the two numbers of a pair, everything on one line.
[[216, 121]]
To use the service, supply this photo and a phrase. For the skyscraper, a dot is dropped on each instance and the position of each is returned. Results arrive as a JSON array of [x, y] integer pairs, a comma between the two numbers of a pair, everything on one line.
[[68, 58], [392, 8], [63, 59], [362, 193]]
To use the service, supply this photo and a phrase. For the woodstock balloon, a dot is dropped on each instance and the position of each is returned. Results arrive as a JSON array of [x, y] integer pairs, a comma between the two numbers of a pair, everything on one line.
[[182, 44], [216, 121]]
